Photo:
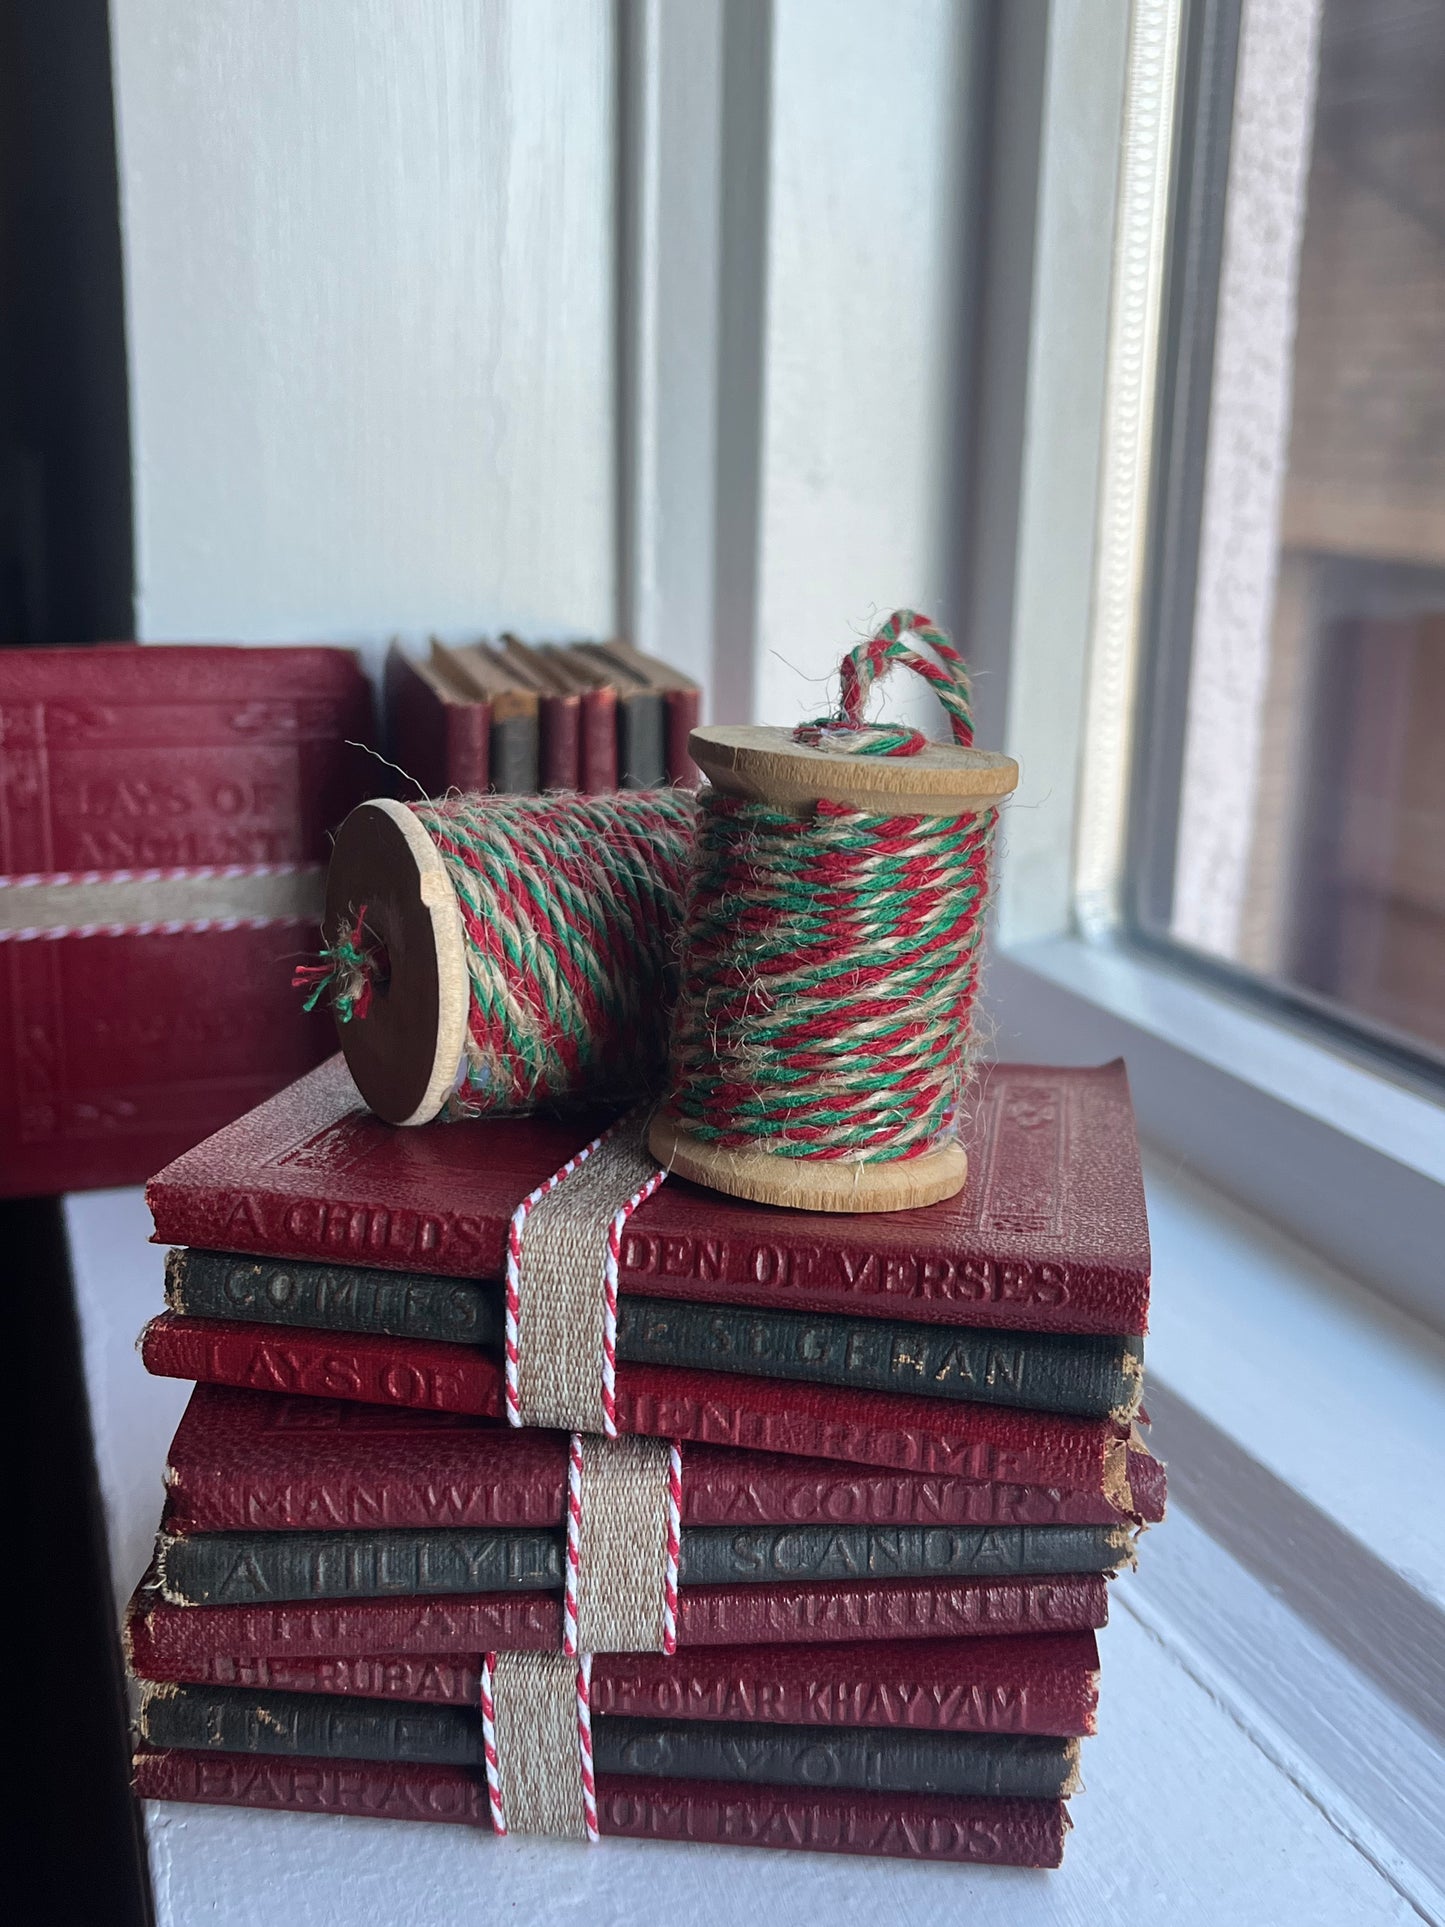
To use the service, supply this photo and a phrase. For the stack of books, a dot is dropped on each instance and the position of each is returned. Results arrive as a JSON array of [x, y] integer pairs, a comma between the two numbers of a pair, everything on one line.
[[910, 1456], [523, 718]]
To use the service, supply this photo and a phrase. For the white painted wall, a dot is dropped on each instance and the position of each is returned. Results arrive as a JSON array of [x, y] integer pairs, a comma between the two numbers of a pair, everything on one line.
[[865, 343], [369, 262]]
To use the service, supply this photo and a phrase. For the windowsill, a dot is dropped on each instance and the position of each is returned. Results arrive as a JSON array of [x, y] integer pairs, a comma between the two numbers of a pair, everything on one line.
[[1324, 1148], [1338, 1394], [1259, 1052]]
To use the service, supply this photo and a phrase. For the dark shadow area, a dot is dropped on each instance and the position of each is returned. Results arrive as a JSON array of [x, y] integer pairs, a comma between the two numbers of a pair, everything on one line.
[[84, 1857], [65, 577], [65, 502]]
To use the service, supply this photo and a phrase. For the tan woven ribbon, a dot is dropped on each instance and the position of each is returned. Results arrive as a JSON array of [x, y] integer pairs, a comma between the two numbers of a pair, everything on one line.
[[536, 1769], [95, 901], [622, 1546], [566, 1289]]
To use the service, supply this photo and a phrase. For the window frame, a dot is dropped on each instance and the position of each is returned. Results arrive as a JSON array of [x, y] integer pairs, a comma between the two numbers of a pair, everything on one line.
[[1340, 1145]]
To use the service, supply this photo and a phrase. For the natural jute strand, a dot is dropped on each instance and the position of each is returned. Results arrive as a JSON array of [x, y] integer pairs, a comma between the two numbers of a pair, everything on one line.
[[830, 958], [569, 908]]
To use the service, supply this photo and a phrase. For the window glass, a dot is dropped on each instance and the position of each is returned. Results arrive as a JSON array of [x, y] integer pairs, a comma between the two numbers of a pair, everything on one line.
[[1292, 808]]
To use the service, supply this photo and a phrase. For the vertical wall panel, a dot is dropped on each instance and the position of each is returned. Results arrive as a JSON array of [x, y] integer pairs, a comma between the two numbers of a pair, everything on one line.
[[866, 373], [369, 259]]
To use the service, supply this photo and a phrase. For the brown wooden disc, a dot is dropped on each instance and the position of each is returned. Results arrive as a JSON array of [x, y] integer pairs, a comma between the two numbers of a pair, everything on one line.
[[811, 1184], [764, 763], [404, 1054]]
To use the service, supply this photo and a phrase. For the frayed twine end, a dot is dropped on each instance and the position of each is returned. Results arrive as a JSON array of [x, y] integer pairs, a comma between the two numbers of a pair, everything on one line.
[[346, 971]]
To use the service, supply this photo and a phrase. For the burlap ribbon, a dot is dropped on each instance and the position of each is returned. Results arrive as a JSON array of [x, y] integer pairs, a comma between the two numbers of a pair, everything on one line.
[[563, 1250], [95, 903], [537, 1744], [623, 1495]]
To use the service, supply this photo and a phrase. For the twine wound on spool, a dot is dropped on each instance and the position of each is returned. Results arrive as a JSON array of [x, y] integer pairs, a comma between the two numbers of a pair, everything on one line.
[[820, 1043], [487, 955]]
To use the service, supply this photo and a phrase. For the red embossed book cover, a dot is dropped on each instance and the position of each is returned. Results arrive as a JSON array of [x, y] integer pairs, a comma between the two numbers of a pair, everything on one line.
[[126, 769], [254, 1461], [1049, 1233], [1028, 1683], [909, 1826]]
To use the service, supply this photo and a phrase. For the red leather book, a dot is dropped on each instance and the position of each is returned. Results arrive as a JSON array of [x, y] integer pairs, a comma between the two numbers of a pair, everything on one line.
[[1049, 1233], [162, 1637], [254, 1461], [1033, 1683], [913, 1826], [438, 731], [163, 826], [980, 1442]]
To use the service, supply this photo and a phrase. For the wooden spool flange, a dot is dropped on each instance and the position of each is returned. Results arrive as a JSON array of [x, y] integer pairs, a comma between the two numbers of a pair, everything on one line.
[[405, 1053], [765, 765]]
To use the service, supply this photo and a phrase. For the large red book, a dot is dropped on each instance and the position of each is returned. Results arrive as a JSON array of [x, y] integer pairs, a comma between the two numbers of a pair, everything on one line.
[[1092, 1459], [252, 1461], [1049, 1233], [163, 834], [1031, 1683], [912, 1826]]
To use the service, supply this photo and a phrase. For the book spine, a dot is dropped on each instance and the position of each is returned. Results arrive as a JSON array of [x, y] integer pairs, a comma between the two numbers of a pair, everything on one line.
[[397, 1304], [514, 753], [1039, 1372], [1042, 1372], [226, 1568], [599, 741], [924, 1285], [683, 708], [641, 752], [468, 748], [918, 1435], [162, 1636], [241, 1721], [1024, 1684], [1022, 1833], [560, 746], [718, 1488], [714, 1556]]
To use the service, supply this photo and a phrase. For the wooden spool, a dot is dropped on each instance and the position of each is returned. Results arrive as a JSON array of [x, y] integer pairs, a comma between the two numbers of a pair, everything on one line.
[[405, 1054], [765, 765]]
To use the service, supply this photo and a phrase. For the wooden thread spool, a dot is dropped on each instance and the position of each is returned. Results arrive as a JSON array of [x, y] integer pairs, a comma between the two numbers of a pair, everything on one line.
[[766, 765], [405, 1058], [495, 955]]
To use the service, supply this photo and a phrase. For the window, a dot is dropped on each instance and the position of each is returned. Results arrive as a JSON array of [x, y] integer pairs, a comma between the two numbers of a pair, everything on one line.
[[1289, 818]]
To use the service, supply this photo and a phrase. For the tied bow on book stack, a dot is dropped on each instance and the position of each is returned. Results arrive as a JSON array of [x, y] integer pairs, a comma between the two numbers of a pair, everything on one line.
[[520, 1487]]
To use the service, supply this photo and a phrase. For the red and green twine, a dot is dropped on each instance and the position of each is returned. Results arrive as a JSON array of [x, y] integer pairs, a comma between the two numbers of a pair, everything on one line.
[[570, 907], [830, 959]]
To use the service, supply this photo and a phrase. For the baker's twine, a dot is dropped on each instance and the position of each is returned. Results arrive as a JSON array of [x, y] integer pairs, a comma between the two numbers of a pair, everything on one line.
[[830, 958], [570, 907]]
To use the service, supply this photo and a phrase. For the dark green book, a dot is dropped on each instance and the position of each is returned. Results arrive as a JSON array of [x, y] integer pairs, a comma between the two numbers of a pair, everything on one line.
[[882, 1759], [1088, 1377], [228, 1568]]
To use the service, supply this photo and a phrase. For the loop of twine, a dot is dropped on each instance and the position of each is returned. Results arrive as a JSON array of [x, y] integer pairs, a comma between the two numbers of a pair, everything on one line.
[[847, 732]]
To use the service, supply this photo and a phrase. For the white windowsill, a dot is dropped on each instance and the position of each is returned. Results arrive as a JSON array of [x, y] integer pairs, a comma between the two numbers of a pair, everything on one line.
[[1258, 1051]]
